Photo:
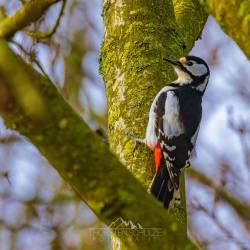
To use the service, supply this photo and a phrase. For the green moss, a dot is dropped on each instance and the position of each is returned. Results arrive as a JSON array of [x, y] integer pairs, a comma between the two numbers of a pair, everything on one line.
[[106, 6], [113, 117], [244, 9], [246, 24], [174, 227], [126, 197]]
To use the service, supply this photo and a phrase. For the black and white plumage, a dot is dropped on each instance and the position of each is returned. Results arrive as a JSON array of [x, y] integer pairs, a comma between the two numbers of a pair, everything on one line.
[[173, 125]]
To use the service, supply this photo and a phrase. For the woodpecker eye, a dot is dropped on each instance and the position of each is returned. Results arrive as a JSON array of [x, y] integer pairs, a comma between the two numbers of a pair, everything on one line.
[[189, 63]]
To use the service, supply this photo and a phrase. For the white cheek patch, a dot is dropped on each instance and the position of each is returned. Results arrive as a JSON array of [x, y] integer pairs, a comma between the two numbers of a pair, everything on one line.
[[197, 69], [183, 77]]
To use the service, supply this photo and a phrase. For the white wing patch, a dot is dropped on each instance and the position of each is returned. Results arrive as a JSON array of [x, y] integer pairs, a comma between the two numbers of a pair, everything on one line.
[[171, 122], [151, 138]]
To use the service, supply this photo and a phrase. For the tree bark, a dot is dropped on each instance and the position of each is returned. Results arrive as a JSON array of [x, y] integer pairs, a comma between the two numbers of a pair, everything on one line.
[[233, 16], [191, 18]]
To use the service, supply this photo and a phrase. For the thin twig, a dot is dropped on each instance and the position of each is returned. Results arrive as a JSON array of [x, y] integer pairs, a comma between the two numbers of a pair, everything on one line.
[[44, 35], [242, 209], [225, 230], [31, 58]]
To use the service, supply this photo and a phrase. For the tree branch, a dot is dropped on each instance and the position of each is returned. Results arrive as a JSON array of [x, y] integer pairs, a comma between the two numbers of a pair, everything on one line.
[[242, 209], [52, 31], [28, 13], [31, 57], [234, 18], [226, 231], [81, 157]]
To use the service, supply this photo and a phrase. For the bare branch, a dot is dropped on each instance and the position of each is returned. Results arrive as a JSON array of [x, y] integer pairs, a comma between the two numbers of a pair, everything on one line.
[[32, 58], [242, 209], [212, 215], [28, 13], [45, 35]]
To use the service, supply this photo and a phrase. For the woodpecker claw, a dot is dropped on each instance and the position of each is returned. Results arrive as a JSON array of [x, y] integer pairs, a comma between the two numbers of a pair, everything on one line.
[[139, 141], [187, 164], [136, 140]]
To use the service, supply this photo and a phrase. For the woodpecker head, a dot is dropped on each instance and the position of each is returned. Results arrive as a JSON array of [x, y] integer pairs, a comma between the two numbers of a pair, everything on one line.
[[191, 70]]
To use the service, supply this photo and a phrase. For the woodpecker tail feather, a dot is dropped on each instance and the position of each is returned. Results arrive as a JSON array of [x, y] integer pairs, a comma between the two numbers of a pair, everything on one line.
[[162, 187]]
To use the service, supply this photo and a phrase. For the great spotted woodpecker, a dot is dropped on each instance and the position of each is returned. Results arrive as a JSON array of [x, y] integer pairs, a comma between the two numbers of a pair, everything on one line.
[[173, 125]]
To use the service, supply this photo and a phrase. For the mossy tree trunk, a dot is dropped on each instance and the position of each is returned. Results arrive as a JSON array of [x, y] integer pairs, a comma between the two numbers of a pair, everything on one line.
[[138, 34]]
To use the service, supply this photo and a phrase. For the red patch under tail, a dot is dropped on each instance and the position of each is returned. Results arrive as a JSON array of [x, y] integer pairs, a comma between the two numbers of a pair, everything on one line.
[[157, 156]]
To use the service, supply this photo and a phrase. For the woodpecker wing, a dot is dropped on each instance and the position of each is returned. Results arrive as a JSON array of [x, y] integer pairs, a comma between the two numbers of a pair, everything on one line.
[[169, 129], [178, 114], [151, 138], [165, 113]]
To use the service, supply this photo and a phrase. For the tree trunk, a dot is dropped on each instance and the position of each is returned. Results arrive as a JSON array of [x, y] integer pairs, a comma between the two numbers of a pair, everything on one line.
[[138, 35]]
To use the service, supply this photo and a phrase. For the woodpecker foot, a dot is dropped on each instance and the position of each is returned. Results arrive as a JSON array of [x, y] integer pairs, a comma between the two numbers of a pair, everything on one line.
[[187, 164], [137, 141]]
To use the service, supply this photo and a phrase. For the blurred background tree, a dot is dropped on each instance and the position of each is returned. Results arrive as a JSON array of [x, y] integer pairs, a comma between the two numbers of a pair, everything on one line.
[[39, 211]]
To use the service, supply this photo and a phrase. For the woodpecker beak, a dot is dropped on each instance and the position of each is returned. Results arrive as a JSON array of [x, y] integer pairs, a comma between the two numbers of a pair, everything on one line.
[[174, 62]]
